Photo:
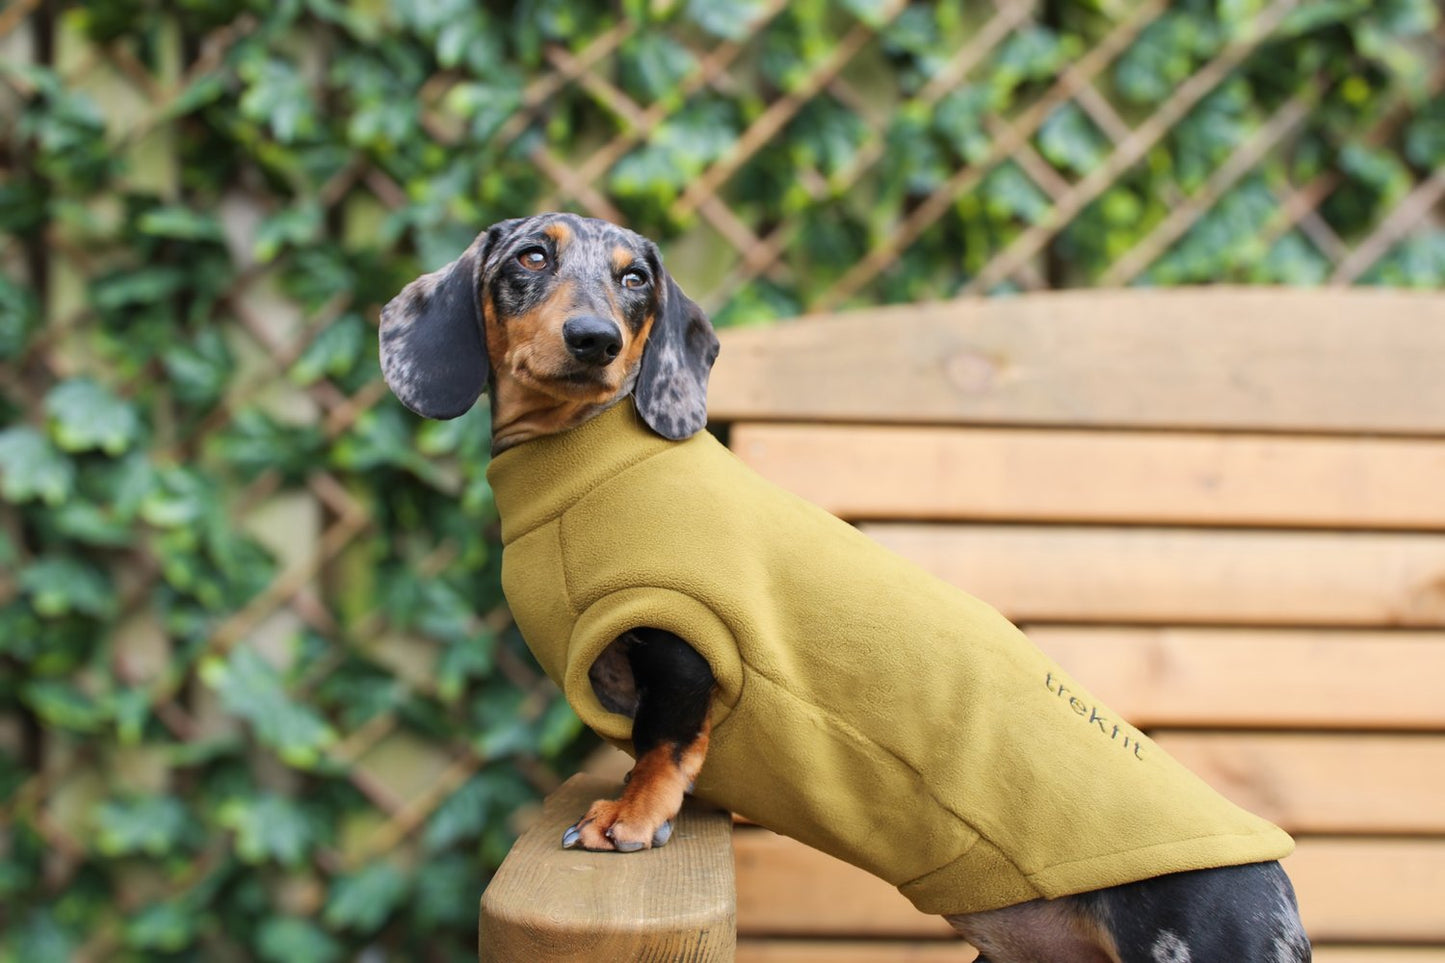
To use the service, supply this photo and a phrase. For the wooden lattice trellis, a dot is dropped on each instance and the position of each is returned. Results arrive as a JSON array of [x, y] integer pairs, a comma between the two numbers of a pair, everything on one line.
[[756, 253], [753, 241]]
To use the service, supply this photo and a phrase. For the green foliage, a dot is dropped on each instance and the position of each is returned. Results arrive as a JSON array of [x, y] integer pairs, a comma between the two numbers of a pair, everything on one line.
[[361, 902], [85, 417], [154, 826], [284, 939], [31, 468], [250, 689], [250, 608], [268, 828]]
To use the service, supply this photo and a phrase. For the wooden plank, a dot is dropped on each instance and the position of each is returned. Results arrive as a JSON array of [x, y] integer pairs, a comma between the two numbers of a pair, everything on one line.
[[855, 951], [899, 472], [1367, 890], [1167, 576], [673, 903], [1350, 890], [1379, 954], [943, 951], [785, 888], [1314, 783], [1341, 360], [1265, 678]]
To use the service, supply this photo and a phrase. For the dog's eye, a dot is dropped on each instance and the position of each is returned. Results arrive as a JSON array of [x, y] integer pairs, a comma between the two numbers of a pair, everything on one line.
[[533, 259], [634, 279]]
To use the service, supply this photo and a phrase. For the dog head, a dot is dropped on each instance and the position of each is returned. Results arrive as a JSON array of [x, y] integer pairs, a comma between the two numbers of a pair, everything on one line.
[[570, 311]]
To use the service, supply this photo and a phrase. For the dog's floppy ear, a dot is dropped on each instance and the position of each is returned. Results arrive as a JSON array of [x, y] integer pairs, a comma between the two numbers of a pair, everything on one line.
[[671, 392], [433, 349]]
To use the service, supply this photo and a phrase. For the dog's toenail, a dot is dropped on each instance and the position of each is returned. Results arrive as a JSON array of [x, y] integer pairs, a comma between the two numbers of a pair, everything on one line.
[[571, 837], [663, 834]]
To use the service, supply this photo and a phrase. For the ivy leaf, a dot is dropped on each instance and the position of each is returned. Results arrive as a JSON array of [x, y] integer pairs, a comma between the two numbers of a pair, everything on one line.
[[874, 13], [1030, 53], [164, 927], [363, 900], [149, 825], [558, 727], [503, 724], [1008, 192], [251, 688], [381, 437], [62, 586], [959, 118], [19, 315], [1070, 141], [85, 416], [1407, 17], [357, 692], [487, 106], [651, 64], [286, 939], [728, 19], [293, 226], [333, 353], [277, 95], [181, 498], [92, 524], [138, 287], [461, 816], [37, 938], [197, 371], [1163, 56], [828, 136], [1424, 140], [12, 776], [1417, 262], [445, 893], [130, 708], [428, 17], [268, 827], [207, 88], [466, 658], [63, 706], [255, 442], [31, 468], [180, 222], [446, 613], [677, 152]]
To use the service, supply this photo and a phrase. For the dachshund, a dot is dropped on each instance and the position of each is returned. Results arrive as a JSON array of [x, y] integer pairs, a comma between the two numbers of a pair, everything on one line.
[[562, 318]]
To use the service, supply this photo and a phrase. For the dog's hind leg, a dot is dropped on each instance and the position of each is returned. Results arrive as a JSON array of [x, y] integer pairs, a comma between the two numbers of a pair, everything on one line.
[[669, 734]]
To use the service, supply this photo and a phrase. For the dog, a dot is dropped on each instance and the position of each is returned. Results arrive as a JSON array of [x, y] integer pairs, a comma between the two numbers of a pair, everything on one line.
[[597, 366]]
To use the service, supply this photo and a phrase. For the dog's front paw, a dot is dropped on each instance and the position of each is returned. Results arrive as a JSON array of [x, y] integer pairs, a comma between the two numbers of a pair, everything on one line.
[[612, 825]]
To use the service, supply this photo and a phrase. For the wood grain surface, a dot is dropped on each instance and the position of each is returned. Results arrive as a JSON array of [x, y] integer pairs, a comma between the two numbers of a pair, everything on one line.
[[1350, 890], [1321, 679], [1248, 359], [674, 903], [1173, 576], [940, 473]]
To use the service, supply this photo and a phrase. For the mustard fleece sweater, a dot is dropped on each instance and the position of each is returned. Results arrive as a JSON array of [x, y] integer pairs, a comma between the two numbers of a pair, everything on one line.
[[864, 707]]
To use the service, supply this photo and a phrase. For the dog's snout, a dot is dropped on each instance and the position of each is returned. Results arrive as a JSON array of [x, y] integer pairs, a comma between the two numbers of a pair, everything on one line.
[[592, 340]]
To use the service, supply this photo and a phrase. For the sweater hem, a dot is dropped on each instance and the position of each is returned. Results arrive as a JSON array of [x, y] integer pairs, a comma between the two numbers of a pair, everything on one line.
[[977, 881]]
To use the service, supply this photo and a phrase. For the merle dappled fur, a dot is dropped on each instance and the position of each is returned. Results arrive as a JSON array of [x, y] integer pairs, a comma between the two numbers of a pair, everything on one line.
[[435, 347]]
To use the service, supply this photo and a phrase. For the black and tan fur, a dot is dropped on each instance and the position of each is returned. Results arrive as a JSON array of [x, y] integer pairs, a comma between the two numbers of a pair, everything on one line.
[[564, 316]]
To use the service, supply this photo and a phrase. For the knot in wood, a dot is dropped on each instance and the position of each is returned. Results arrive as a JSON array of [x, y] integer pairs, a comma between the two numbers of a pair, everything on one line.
[[971, 371]]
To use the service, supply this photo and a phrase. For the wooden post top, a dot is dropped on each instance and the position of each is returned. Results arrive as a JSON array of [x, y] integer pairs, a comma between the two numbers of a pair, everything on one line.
[[677, 902]]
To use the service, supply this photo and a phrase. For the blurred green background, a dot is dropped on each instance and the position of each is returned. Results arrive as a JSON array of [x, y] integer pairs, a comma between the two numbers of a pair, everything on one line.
[[259, 696]]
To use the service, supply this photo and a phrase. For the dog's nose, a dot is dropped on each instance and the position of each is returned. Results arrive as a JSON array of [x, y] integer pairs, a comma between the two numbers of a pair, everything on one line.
[[592, 340]]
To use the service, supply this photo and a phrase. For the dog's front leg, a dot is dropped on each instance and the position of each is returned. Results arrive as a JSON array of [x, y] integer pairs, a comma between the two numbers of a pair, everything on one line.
[[669, 733]]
